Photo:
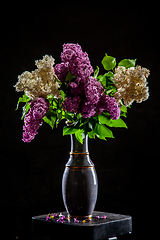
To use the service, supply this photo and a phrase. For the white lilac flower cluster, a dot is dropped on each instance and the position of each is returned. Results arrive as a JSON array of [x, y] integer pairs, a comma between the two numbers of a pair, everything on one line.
[[131, 84], [40, 82]]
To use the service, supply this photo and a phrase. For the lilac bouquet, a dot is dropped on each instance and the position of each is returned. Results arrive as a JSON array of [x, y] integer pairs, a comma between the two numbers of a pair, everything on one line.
[[72, 90]]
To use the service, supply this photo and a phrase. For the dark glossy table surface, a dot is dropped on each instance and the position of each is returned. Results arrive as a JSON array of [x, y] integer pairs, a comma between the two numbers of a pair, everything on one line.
[[102, 225]]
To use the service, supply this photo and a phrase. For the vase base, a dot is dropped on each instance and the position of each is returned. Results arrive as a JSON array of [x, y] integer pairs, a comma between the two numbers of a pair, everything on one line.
[[79, 217]]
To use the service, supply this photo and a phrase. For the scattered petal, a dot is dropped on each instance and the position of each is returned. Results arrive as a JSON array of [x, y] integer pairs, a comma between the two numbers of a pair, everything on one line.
[[97, 217], [48, 217], [60, 215], [55, 214], [75, 220], [104, 217], [60, 220]]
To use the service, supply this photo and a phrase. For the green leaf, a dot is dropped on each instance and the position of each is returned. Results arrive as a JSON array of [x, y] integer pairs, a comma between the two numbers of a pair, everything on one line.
[[91, 134], [24, 98], [50, 121], [108, 62], [96, 72], [100, 137], [118, 123], [123, 114], [50, 98], [80, 135], [104, 120], [124, 108], [127, 63], [69, 116], [102, 80], [112, 123], [78, 115], [123, 111], [54, 104], [109, 75], [85, 125], [60, 116], [103, 131], [70, 129], [63, 95], [50, 117], [69, 77], [25, 109], [107, 82], [105, 113]]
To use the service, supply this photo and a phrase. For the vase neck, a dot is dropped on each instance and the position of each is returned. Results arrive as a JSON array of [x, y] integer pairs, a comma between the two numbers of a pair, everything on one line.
[[79, 155], [77, 147]]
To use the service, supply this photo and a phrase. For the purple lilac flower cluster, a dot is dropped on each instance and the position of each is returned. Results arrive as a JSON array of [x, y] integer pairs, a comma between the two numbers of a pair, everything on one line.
[[109, 104], [34, 118], [75, 61], [85, 94]]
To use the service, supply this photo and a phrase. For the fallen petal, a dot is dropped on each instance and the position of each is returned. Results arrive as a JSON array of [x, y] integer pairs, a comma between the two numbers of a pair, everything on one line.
[[60, 215], [55, 215], [47, 218], [75, 220], [104, 217]]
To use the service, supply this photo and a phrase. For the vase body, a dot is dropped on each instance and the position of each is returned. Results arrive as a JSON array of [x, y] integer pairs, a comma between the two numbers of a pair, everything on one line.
[[79, 183]]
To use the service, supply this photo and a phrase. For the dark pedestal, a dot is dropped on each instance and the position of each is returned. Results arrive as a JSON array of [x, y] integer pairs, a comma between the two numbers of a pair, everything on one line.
[[98, 228]]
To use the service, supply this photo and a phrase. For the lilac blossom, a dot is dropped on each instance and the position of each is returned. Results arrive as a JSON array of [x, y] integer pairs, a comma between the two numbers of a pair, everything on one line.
[[93, 90], [85, 94], [75, 61], [87, 109], [34, 118], [61, 71], [84, 97], [76, 89], [71, 104], [109, 104], [70, 51]]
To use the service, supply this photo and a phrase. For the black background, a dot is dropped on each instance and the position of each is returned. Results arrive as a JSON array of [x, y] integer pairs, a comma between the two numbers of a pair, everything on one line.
[[127, 166]]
